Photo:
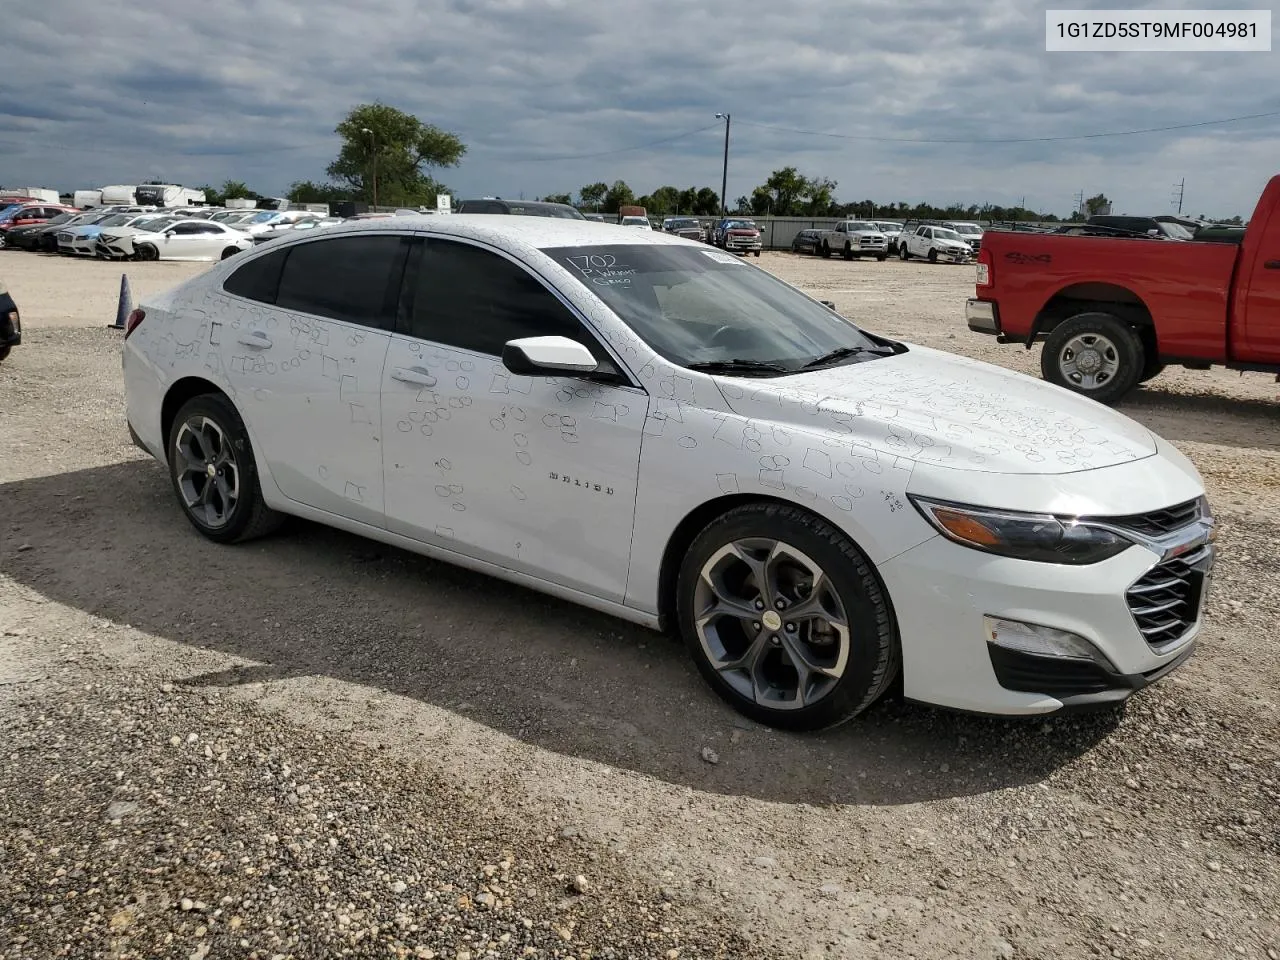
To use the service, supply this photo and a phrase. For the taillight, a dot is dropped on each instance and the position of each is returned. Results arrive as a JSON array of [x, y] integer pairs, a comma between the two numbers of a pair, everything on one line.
[[135, 318], [984, 268]]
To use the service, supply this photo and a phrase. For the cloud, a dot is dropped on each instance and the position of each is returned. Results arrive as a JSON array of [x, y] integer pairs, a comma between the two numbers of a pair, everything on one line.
[[251, 90]]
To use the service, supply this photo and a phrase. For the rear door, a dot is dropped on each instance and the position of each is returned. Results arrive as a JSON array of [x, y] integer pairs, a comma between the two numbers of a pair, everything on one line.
[[303, 349]]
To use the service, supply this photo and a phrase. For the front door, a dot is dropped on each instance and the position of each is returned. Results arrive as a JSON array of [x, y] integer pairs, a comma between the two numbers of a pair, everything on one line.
[[305, 361], [535, 474]]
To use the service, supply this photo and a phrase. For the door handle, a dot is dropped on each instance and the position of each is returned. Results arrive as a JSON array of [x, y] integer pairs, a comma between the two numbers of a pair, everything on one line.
[[254, 339], [1272, 265], [414, 375]]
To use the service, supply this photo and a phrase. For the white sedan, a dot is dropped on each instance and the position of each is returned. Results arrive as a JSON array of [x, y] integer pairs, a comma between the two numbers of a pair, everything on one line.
[[188, 240], [655, 429]]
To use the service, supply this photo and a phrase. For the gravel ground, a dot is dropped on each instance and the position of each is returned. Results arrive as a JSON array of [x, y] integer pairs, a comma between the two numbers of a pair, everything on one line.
[[278, 736]]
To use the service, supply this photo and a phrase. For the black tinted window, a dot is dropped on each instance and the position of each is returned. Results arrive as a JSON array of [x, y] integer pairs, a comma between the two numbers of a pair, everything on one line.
[[259, 279], [476, 300], [344, 278]]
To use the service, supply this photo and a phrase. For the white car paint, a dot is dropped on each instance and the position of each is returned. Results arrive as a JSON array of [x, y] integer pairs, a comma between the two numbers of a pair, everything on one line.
[[641, 222], [939, 242], [187, 239], [577, 487]]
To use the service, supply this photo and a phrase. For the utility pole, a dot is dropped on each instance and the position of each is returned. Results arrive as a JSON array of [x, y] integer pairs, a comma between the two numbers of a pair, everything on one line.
[[724, 175], [1080, 202], [1182, 185]]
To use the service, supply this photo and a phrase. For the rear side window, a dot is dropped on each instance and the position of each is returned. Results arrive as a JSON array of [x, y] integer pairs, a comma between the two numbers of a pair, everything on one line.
[[345, 278], [259, 279]]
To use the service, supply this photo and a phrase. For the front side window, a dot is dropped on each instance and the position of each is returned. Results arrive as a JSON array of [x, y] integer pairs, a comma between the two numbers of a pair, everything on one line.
[[344, 278], [473, 299], [696, 307]]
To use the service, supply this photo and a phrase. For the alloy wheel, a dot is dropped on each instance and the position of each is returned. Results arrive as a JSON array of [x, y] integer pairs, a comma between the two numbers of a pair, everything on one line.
[[771, 623], [208, 474]]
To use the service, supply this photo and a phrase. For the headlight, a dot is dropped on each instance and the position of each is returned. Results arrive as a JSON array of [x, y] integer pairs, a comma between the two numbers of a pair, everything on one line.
[[1023, 536]]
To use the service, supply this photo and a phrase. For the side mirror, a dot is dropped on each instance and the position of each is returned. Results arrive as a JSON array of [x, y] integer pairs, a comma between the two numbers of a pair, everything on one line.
[[169, 232], [547, 355]]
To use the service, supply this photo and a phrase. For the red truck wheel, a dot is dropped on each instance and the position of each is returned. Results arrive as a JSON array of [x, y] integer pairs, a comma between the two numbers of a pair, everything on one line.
[[1096, 355]]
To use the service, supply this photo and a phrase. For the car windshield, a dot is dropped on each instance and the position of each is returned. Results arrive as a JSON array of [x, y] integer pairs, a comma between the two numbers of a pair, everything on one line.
[[263, 217], [942, 233], [740, 225], [862, 225], [118, 219], [60, 218], [1176, 230], [683, 222], [8, 212], [635, 220], [969, 229], [696, 306]]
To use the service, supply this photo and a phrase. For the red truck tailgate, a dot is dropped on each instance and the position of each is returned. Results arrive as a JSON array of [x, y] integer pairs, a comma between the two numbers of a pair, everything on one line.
[[1184, 284]]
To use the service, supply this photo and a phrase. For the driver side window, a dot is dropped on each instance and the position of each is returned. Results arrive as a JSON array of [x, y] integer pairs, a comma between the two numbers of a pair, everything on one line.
[[472, 299]]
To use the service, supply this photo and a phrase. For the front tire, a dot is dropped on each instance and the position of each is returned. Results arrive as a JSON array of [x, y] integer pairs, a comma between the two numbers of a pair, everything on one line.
[[933, 256], [1094, 354], [848, 252], [755, 253], [826, 250], [881, 258], [903, 253], [786, 618], [214, 474], [145, 251]]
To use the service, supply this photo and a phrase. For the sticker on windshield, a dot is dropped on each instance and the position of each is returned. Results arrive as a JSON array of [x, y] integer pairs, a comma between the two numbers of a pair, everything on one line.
[[603, 270], [719, 257]]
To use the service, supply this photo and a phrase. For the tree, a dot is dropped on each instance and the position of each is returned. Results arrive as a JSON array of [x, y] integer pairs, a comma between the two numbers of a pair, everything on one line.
[[558, 198], [741, 205], [618, 195], [305, 191], [707, 203], [398, 145], [663, 201], [236, 190], [1096, 205], [592, 195]]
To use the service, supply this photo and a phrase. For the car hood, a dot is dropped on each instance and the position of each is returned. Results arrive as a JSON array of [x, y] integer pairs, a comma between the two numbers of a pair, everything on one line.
[[932, 407], [950, 244], [865, 234]]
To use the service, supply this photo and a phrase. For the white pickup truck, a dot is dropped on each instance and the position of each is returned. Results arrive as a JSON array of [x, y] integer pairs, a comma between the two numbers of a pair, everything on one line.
[[853, 239], [934, 243]]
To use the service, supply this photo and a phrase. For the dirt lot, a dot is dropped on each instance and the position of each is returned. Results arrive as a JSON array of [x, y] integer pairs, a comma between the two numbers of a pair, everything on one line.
[[314, 746]]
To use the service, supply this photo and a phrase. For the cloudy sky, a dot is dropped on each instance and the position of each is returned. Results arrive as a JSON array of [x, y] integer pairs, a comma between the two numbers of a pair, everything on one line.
[[105, 91]]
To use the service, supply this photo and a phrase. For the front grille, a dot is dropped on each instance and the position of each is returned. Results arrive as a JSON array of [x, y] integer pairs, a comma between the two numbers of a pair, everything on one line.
[[1157, 523], [1165, 603]]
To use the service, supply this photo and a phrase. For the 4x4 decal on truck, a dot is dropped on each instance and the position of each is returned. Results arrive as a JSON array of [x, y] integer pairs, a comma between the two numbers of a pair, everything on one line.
[[1023, 258]]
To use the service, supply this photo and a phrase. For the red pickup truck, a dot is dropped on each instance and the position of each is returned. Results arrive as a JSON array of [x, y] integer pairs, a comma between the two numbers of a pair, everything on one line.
[[1113, 312]]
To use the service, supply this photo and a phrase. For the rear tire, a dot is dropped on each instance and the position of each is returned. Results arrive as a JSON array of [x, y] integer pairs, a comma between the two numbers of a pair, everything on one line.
[[230, 252], [845, 640], [1096, 355], [1152, 368], [226, 505]]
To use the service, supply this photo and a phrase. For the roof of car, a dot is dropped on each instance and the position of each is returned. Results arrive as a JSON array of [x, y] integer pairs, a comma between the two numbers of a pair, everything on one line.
[[539, 232]]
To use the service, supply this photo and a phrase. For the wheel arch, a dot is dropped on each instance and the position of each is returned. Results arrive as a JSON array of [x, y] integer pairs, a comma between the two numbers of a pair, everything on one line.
[[1088, 296], [694, 522], [179, 392]]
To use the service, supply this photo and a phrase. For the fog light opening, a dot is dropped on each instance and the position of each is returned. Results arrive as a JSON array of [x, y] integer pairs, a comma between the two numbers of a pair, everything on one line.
[[1038, 641]]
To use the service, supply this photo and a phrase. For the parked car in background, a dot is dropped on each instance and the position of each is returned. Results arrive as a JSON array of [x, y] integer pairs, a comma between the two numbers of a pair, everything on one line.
[[83, 239], [738, 235], [68, 232], [594, 217], [814, 509], [1151, 226], [891, 229], [808, 240], [688, 227], [641, 222], [116, 243], [970, 233], [854, 239], [289, 229], [27, 214], [44, 236], [526, 208], [1113, 311], [934, 244], [10, 322], [190, 240], [28, 237]]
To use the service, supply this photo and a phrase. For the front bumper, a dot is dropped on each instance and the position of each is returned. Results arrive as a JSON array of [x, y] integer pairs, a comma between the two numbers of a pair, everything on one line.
[[743, 243], [956, 256], [982, 316], [943, 593]]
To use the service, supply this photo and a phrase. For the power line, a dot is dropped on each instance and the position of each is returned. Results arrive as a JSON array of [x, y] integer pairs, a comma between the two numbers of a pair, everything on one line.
[[1080, 136], [608, 153]]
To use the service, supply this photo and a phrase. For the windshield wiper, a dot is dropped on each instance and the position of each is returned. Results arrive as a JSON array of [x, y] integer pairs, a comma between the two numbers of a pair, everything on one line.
[[738, 366], [841, 353]]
